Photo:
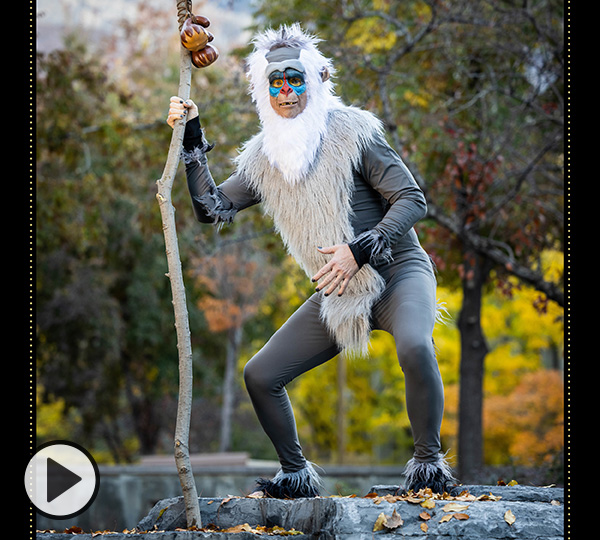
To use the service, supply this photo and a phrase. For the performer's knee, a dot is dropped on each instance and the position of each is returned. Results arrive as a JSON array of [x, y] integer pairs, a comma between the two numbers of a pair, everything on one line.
[[416, 355], [257, 378]]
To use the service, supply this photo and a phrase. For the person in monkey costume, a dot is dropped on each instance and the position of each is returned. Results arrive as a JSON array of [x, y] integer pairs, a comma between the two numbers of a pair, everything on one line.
[[344, 204]]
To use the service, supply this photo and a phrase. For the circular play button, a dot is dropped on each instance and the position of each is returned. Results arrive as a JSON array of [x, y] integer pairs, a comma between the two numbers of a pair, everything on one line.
[[61, 479]]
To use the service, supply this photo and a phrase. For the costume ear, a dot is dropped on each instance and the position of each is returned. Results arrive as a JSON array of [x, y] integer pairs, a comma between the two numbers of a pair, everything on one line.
[[324, 74]]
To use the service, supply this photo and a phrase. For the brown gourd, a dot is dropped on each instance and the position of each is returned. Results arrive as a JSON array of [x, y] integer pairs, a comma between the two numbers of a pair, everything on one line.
[[196, 39]]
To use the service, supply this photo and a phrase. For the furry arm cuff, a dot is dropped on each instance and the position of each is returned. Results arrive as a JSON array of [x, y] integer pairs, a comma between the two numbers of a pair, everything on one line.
[[211, 203], [370, 247]]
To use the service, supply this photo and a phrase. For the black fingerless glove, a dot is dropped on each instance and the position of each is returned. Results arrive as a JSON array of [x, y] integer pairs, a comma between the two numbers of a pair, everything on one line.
[[370, 247], [193, 137]]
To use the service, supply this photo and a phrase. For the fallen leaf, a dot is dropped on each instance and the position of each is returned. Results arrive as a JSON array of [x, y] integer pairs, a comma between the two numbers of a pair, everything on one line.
[[424, 527], [428, 503], [513, 483], [425, 492], [394, 521], [509, 517], [445, 518], [555, 503], [255, 495], [275, 530], [489, 497], [455, 507], [380, 522], [74, 530], [239, 528], [460, 515], [412, 499], [425, 515]]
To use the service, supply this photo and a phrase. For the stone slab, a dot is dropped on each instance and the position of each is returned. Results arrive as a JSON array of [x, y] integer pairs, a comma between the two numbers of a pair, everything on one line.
[[539, 515]]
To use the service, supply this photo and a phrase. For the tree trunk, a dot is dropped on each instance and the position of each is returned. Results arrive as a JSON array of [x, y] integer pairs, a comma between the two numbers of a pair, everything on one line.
[[473, 352], [175, 274], [234, 339]]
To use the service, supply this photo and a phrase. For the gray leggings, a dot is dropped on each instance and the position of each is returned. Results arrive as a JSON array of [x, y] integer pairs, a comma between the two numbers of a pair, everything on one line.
[[406, 310]]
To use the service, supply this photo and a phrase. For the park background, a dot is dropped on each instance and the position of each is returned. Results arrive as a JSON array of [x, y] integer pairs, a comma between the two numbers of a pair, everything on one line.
[[471, 94]]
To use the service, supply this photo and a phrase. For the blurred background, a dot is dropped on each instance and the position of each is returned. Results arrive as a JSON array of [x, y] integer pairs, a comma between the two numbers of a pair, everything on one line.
[[471, 94]]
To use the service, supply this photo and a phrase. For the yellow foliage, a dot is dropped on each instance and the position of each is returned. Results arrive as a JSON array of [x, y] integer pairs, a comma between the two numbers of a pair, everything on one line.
[[371, 35], [504, 364], [449, 429], [422, 10], [553, 263], [422, 99], [52, 421]]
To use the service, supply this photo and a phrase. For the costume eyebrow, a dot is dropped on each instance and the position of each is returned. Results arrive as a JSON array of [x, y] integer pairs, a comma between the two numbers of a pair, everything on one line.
[[290, 72], [276, 75]]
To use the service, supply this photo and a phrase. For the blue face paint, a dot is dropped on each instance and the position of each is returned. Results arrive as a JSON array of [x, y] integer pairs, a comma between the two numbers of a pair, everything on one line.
[[290, 78]]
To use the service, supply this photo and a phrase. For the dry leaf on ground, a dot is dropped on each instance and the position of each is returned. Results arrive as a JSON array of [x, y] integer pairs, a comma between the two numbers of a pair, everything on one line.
[[394, 521], [509, 517], [379, 523], [428, 503], [455, 507], [238, 529], [388, 522]]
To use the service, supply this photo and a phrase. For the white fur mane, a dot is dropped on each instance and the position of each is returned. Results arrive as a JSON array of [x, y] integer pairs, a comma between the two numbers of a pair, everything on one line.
[[291, 144]]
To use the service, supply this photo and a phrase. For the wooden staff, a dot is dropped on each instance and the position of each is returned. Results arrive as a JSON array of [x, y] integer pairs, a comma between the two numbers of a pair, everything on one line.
[[175, 275]]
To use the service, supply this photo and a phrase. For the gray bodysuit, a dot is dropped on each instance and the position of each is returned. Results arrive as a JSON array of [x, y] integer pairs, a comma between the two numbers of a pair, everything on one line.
[[386, 200]]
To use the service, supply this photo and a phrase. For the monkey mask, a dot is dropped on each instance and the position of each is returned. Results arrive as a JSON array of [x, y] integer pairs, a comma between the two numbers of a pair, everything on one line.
[[291, 87]]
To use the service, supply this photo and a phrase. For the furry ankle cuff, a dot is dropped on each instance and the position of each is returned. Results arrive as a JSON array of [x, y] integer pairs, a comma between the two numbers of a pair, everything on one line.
[[303, 483], [435, 475]]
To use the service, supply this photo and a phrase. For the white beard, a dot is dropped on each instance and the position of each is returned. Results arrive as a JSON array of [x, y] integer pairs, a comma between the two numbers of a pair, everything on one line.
[[291, 144]]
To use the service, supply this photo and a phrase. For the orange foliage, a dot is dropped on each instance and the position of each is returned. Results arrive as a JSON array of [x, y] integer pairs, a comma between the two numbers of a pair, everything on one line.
[[234, 285], [528, 423]]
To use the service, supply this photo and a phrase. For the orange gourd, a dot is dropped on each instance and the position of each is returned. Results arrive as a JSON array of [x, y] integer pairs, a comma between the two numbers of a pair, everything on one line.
[[195, 39]]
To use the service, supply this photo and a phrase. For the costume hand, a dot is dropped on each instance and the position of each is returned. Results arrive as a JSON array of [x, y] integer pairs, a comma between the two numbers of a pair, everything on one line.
[[338, 271], [178, 109]]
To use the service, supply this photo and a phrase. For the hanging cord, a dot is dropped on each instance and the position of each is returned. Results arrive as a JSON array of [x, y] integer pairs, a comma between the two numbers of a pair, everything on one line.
[[184, 11]]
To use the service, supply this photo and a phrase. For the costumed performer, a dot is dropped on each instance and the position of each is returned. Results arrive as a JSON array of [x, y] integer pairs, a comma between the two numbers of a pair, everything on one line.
[[344, 204]]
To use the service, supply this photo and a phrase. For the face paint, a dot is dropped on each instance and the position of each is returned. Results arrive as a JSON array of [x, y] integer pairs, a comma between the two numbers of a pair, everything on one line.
[[290, 79]]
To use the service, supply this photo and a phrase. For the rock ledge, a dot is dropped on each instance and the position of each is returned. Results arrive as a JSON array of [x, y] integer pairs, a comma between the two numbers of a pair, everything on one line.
[[538, 515]]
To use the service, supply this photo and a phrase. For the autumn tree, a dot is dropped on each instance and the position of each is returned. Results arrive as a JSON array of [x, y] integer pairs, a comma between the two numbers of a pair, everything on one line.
[[100, 332], [104, 331], [234, 276]]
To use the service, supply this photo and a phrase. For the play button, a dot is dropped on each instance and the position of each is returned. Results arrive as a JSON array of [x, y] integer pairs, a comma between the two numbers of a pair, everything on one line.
[[61, 479]]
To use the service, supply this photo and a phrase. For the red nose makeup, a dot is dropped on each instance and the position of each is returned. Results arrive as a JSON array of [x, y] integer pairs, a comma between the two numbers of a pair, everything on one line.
[[286, 90]]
